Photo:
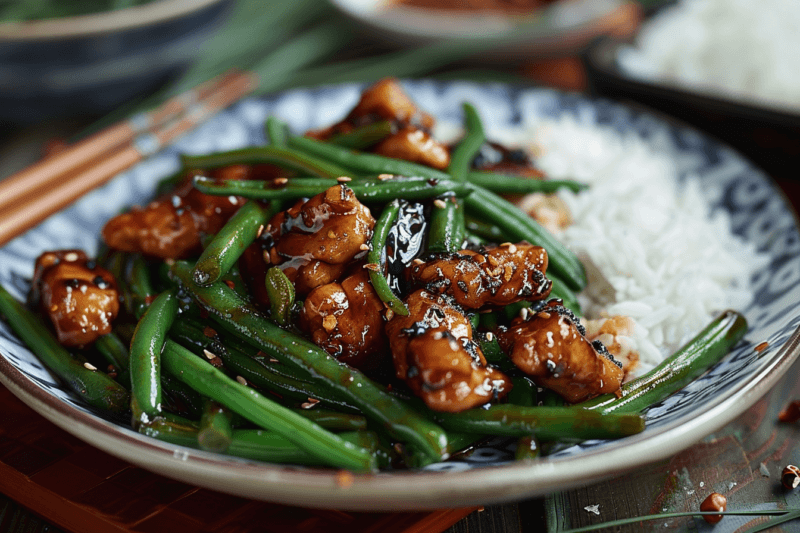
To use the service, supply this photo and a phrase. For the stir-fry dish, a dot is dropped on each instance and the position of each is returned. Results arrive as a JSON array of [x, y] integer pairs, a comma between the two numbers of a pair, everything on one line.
[[360, 297]]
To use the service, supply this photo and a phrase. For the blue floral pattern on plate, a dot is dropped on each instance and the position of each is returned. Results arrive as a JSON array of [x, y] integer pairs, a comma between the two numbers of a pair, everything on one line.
[[757, 210]]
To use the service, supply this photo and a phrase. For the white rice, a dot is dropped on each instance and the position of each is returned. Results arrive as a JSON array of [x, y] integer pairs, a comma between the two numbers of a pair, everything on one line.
[[742, 48], [662, 256]]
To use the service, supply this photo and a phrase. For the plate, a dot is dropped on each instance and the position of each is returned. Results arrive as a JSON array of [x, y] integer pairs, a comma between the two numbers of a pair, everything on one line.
[[560, 28], [758, 213]]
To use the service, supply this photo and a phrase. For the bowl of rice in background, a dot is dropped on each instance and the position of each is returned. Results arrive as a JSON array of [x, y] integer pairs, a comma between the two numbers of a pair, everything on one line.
[[726, 66]]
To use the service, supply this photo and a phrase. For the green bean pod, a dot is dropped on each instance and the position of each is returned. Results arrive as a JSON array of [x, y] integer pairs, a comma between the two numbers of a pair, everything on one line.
[[545, 423], [281, 296], [276, 132], [215, 431], [222, 252], [513, 184], [236, 315], [145, 356], [276, 155], [520, 227], [377, 256], [264, 412], [333, 420], [676, 371], [95, 388], [365, 189], [363, 137], [113, 351], [364, 164]]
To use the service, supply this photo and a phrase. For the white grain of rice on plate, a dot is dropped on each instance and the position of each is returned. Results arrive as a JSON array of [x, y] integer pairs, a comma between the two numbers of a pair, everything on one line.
[[671, 263]]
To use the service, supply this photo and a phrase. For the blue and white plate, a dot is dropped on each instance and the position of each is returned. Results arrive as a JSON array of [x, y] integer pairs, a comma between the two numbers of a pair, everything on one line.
[[758, 213]]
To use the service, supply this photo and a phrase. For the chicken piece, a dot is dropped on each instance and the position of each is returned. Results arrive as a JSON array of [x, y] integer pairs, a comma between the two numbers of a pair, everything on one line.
[[434, 353], [315, 241], [550, 345], [416, 146], [79, 297], [617, 335], [346, 320], [496, 277], [171, 226], [386, 100], [548, 210]]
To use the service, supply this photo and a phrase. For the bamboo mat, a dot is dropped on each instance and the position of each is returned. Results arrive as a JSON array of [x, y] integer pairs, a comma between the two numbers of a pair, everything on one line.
[[81, 489]]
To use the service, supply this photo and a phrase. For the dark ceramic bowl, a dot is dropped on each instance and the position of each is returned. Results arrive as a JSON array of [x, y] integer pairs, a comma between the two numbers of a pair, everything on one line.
[[768, 135], [91, 64]]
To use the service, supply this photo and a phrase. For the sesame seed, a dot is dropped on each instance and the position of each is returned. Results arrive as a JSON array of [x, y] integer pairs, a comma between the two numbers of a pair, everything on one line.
[[512, 248], [439, 203], [389, 314], [761, 347], [241, 380], [373, 266], [54, 308], [280, 181], [418, 261], [260, 231], [90, 366], [265, 256], [493, 261], [384, 177], [506, 244], [72, 256], [523, 313], [489, 336], [208, 355], [331, 234], [364, 247], [268, 228], [343, 179], [543, 314]]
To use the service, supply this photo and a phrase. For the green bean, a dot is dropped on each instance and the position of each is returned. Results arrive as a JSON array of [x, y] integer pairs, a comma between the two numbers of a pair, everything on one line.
[[230, 242], [520, 227], [113, 351], [363, 137], [277, 378], [281, 296], [523, 393], [545, 423], [283, 157], [447, 226], [513, 184], [172, 429], [676, 371], [236, 315], [95, 388], [464, 153], [141, 291], [377, 256], [145, 357], [364, 164], [482, 229], [215, 431], [262, 411], [447, 231], [333, 420], [179, 398], [366, 189], [276, 132]]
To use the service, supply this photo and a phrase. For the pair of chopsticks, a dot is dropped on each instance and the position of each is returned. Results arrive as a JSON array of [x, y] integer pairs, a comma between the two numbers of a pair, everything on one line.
[[33, 194]]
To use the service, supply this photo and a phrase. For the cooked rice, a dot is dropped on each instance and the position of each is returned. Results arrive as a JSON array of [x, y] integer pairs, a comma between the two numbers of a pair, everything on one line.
[[655, 249]]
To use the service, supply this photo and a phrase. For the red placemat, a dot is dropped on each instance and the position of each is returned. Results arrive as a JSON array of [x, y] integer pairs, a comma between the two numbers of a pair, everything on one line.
[[80, 488]]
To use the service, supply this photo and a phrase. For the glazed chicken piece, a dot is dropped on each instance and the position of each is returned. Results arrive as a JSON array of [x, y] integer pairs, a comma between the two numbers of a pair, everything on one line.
[[346, 320], [386, 100], [171, 226], [434, 353], [495, 277], [550, 346], [316, 241], [79, 297], [416, 146], [548, 210]]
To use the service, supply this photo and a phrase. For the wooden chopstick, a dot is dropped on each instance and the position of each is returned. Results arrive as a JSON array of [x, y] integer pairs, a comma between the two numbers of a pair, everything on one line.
[[47, 172], [32, 209]]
